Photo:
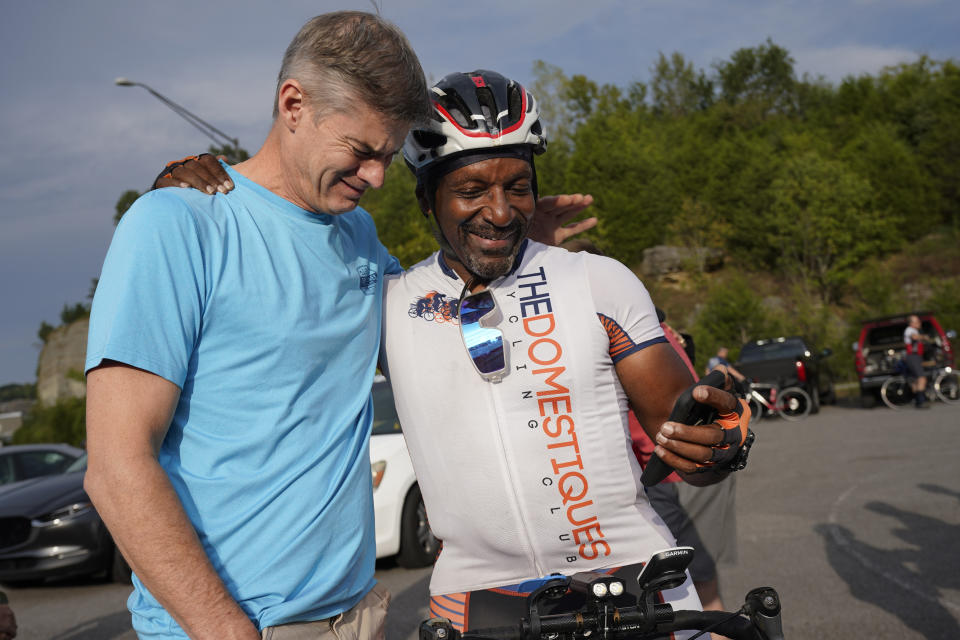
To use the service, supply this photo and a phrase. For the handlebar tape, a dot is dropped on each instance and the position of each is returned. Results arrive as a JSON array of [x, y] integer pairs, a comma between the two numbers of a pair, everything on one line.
[[686, 410]]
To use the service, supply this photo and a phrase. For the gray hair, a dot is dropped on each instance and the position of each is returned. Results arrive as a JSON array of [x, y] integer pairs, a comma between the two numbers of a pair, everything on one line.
[[347, 56]]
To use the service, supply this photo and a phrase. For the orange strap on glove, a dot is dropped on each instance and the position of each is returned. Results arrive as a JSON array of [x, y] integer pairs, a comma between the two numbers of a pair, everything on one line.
[[730, 454], [168, 170]]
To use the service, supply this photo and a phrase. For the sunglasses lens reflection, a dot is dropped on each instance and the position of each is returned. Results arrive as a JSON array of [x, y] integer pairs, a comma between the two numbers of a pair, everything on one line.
[[485, 345]]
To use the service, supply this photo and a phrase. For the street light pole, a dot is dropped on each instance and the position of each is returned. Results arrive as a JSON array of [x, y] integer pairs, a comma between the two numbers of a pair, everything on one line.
[[205, 127]]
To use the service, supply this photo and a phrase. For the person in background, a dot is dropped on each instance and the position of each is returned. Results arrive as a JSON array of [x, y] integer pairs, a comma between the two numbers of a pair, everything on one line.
[[8, 623], [721, 360], [914, 342]]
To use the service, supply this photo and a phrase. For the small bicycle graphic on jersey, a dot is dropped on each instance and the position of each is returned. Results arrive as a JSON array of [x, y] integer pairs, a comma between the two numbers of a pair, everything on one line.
[[434, 307]]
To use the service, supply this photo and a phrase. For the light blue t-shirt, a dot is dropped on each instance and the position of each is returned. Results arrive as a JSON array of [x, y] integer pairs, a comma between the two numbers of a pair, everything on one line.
[[267, 317]]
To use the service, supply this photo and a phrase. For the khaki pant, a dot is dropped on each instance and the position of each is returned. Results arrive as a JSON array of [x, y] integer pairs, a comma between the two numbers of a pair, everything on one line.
[[365, 621]]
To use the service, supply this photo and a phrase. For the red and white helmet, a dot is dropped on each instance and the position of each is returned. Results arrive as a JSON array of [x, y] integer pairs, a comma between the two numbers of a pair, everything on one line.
[[474, 112]]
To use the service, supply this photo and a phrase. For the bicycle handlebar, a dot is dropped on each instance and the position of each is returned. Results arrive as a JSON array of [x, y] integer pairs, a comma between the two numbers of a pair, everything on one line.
[[758, 619]]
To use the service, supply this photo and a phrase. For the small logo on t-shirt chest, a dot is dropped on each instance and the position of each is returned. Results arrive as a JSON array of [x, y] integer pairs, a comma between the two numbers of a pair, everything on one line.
[[368, 279]]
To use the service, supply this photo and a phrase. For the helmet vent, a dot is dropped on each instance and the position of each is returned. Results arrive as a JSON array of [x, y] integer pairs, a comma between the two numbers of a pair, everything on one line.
[[488, 107], [515, 102], [458, 110], [429, 139]]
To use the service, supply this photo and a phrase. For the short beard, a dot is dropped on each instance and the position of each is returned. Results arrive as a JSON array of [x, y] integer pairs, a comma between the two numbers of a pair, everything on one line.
[[482, 266]]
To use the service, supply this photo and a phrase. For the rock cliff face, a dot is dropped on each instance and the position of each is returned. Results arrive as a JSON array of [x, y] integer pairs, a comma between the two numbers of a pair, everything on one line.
[[662, 259], [60, 370]]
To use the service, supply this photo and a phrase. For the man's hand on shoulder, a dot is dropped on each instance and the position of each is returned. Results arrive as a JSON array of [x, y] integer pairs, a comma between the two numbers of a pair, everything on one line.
[[553, 212], [203, 172]]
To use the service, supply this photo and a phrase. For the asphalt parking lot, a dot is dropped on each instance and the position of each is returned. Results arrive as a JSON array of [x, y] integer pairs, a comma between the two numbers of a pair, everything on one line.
[[853, 515]]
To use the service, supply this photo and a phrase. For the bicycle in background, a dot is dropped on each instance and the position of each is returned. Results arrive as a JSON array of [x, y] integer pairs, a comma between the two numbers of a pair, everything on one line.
[[943, 383], [791, 403]]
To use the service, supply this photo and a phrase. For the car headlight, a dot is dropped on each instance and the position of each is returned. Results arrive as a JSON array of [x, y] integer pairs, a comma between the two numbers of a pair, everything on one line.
[[377, 468], [62, 514]]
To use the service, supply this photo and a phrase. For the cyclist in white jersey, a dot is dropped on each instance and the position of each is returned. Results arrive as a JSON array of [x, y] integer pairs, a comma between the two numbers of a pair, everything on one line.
[[529, 471]]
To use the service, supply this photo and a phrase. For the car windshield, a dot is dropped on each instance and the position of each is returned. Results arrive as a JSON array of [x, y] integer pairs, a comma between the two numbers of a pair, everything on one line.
[[80, 464], [384, 412], [773, 349]]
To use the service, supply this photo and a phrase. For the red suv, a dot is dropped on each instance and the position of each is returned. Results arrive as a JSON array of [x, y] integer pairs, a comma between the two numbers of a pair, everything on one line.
[[880, 347]]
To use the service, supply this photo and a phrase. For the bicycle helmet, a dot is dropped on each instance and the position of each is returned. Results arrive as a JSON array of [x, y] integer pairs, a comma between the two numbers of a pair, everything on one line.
[[480, 114]]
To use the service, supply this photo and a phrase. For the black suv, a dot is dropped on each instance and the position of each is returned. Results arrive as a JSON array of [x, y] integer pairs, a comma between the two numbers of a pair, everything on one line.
[[789, 362]]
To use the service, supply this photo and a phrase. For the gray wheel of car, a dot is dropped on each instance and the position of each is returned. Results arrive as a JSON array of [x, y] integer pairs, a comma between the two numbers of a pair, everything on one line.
[[418, 545]]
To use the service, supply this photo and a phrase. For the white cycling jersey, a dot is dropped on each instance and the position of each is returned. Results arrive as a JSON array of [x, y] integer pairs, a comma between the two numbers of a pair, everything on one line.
[[534, 474]]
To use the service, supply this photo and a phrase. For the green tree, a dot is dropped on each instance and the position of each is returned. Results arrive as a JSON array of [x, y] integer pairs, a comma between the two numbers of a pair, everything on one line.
[[44, 331], [732, 314], [401, 226], [697, 227], [77, 312], [64, 421], [896, 175], [126, 200], [231, 154], [678, 89], [827, 223], [26, 391], [761, 76]]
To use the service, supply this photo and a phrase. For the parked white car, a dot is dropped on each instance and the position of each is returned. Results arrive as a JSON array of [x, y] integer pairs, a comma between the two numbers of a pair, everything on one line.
[[401, 519]]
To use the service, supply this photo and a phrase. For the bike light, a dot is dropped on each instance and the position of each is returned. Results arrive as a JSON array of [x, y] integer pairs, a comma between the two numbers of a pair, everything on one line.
[[596, 584]]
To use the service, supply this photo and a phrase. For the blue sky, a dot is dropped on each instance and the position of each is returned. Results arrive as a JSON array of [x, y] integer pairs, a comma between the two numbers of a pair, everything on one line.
[[73, 141]]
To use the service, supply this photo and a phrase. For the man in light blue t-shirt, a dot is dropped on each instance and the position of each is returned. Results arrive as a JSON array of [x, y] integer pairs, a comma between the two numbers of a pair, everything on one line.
[[232, 343]]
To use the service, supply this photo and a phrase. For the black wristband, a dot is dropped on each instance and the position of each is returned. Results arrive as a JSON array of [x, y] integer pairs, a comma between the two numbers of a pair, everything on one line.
[[740, 460]]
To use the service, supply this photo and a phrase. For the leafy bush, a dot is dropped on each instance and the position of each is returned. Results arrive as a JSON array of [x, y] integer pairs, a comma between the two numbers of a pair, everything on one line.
[[64, 421], [18, 392]]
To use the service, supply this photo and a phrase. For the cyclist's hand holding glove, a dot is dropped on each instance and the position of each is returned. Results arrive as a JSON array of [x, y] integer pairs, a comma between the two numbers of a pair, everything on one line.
[[720, 445], [203, 172]]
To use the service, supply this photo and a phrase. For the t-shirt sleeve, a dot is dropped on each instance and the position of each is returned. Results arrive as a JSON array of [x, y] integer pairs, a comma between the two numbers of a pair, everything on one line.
[[623, 306], [392, 264], [148, 305]]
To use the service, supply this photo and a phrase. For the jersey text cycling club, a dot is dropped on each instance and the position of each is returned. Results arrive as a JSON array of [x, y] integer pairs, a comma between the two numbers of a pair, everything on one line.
[[534, 474]]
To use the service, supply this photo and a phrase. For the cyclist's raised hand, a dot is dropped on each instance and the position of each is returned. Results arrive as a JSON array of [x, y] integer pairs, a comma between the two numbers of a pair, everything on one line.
[[203, 172], [553, 212]]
